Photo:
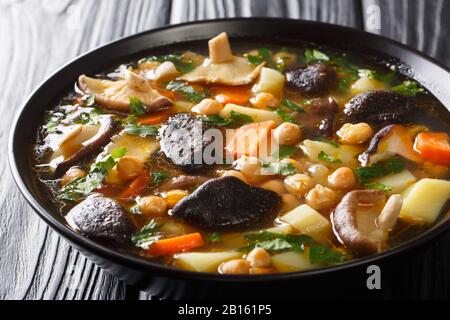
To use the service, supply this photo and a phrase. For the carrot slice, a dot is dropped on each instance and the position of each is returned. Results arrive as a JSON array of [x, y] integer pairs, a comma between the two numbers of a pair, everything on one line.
[[434, 147], [137, 186], [155, 118], [251, 139], [178, 244], [232, 94]]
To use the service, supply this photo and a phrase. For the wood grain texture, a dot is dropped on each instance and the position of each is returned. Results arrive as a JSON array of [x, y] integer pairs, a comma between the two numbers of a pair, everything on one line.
[[39, 36]]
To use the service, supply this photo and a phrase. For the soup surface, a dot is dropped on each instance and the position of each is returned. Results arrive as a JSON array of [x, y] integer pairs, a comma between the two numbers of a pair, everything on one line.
[[260, 160]]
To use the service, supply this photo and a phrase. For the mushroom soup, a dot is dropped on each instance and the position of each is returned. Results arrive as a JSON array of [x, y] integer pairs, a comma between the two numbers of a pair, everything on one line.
[[260, 160]]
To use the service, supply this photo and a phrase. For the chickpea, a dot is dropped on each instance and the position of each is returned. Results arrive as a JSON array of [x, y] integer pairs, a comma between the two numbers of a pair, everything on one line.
[[152, 206], [263, 100], [289, 59], [274, 185], [235, 266], [355, 133], [343, 178], [259, 258], [319, 173], [321, 197], [298, 184], [236, 174], [208, 107], [300, 167], [72, 174], [261, 270], [129, 167], [290, 201], [172, 197], [250, 167], [288, 133]]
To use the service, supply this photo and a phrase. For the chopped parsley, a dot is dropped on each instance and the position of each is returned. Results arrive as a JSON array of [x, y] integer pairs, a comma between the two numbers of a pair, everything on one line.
[[141, 130], [214, 237], [275, 243], [279, 167], [379, 186], [286, 117], [293, 106], [147, 235], [366, 174], [52, 120], [137, 107], [239, 119], [265, 55], [187, 91], [90, 101], [90, 117], [284, 151], [315, 55], [158, 177], [235, 120], [408, 88], [183, 65], [328, 158]]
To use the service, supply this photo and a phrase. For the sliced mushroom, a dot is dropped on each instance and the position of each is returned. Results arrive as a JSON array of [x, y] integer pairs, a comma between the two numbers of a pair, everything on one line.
[[313, 79], [358, 224], [391, 140], [222, 67], [116, 94], [378, 107], [319, 117], [81, 144]]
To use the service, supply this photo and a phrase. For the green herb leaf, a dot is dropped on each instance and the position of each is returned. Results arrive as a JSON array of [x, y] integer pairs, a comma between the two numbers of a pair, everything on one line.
[[187, 91], [239, 119], [293, 106], [334, 143], [118, 153], [137, 107], [147, 235], [141, 130], [216, 121], [265, 55], [286, 117], [213, 237], [374, 75], [280, 168], [379, 186], [90, 101], [315, 55], [159, 177], [320, 254], [408, 88], [328, 158], [284, 152], [90, 117], [182, 65], [52, 120], [366, 174]]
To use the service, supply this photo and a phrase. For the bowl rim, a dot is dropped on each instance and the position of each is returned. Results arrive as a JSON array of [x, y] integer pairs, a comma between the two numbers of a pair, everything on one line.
[[145, 265]]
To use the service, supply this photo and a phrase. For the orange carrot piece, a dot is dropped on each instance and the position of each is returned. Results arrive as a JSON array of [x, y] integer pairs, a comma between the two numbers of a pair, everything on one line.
[[138, 185], [178, 244], [232, 94], [434, 147], [251, 139], [155, 118]]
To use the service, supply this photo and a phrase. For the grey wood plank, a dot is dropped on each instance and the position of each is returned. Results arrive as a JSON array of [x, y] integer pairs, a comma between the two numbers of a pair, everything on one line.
[[35, 263]]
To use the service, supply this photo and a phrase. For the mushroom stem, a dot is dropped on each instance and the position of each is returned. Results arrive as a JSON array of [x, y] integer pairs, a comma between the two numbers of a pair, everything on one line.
[[219, 49], [388, 216], [136, 82]]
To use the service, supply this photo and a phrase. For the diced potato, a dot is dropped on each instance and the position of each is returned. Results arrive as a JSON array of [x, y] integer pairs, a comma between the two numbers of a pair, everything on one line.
[[425, 199], [283, 229], [308, 221], [292, 261], [139, 147], [204, 261], [183, 106], [398, 181], [257, 115], [345, 153], [271, 81], [366, 84]]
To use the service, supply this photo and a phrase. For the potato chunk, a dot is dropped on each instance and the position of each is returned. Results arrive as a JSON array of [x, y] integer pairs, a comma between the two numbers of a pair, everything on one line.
[[344, 155], [425, 199], [398, 181], [256, 114], [271, 81], [310, 222], [291, 262], [204, 261]]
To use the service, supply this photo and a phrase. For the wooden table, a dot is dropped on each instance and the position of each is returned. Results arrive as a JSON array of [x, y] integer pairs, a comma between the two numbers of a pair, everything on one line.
[[37, 37]]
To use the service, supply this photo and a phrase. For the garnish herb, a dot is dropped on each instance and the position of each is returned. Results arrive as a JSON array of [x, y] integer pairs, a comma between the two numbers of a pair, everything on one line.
[[286, 117], [408, 88], [293, 106], [374, 75], [315, 55], [137, 107], [90, 101], [334, 143], [183, 65], [284, 151], [147, 235], [239, 119], [281, 168], [90, 117], [235, 120], [187, 91], [52, 120], [213, 237], [366, 174], [378, 185], [328, 158], [274, 243], [141, 130], [264, 55], [81, 187], [158, 177]]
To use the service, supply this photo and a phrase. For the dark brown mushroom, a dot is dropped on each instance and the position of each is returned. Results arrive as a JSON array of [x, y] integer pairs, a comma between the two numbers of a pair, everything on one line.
[[227, 203], [391, 140], [90, 147], [101, 219], [313, 79], [364, 236], [320, 117], [378, 107]]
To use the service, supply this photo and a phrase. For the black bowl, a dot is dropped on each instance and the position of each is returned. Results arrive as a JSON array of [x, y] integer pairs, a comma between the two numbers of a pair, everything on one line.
[[169, 282]]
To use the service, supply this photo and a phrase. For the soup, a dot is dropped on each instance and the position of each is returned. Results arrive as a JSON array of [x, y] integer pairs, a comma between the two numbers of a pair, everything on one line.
[[272, 159]]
